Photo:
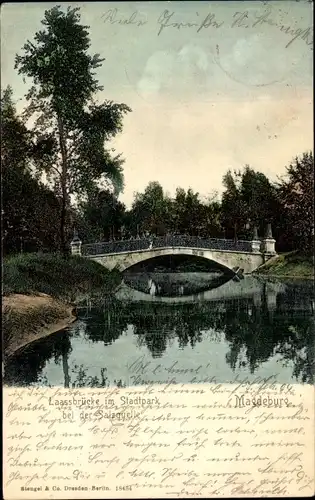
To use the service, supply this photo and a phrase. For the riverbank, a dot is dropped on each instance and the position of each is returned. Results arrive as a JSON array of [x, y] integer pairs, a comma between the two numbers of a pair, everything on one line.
[[27, 318], [41, 291], [293, 265]]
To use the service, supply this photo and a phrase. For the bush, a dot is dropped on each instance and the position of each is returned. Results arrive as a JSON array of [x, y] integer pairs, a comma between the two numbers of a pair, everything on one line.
[[291, 264], [56, 276]]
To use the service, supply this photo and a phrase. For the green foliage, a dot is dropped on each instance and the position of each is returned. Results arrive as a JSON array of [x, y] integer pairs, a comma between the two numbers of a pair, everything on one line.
[[29, 209], [101, 217], [258, 198], [249, 201], [60, 65], [56, 276], [157, 213], [15, 138], [296, 193], [187, 212], [233, 210], [291, 265], [149, 210], [71, 129]]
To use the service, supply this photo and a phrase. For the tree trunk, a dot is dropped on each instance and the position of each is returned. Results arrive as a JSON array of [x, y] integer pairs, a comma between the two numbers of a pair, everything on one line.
[[235, 232], [63, 225], [65, 366], [63, 150]]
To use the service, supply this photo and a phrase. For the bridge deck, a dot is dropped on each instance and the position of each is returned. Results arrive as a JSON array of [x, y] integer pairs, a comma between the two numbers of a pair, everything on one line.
[[112, 247]]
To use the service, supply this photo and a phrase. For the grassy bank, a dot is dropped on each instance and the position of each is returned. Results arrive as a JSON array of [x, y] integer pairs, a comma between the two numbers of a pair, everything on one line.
[[40, 291], [289, 265], [61, 278]]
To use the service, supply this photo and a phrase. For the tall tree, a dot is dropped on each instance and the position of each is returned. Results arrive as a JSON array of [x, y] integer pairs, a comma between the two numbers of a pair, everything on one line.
[[149, 209], [233, 213], [29, 209], [178, 213], [186, 212], [192, 213], [67, 117], [102, 217], [296, 193], [210, 218], [258, 197]]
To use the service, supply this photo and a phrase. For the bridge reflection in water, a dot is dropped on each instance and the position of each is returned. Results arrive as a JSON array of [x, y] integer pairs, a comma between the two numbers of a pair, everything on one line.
[[250, 328], [177, 288]]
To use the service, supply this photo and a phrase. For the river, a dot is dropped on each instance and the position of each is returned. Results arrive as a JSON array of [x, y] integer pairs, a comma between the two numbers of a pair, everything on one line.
[[179, 327]]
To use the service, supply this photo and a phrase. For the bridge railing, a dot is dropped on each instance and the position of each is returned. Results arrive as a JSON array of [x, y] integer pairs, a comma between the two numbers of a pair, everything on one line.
[[165, 241]]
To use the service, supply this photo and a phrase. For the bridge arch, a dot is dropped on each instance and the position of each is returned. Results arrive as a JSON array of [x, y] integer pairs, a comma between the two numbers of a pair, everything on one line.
[[227, 259], [146, 256], [171, 252]]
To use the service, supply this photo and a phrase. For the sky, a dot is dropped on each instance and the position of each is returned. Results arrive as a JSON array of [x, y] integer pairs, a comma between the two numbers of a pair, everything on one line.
[[212, 85]]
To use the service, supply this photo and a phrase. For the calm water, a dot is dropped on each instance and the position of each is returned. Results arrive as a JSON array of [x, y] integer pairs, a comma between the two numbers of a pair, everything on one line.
[[179, 327]]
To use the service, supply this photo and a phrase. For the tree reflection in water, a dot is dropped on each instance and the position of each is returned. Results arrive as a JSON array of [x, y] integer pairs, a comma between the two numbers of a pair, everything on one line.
[[255, 329], [24, 367], [82, 379]]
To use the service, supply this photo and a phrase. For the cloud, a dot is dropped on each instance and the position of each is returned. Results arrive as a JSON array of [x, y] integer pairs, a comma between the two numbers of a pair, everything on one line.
[[174, 71], [255, 60], [196, 143]]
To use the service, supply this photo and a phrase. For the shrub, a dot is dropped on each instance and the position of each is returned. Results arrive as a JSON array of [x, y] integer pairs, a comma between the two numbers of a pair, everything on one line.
[[56, 276]]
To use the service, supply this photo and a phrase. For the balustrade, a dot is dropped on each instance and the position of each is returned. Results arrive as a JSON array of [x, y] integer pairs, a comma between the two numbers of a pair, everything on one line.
[[147, 243]]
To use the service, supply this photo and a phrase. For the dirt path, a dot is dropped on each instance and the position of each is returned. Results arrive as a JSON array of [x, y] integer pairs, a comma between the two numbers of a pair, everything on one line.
[[27, 318]]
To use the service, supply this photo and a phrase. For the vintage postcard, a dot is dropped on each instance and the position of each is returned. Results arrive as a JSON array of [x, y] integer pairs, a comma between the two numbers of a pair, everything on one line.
[[158, 249]]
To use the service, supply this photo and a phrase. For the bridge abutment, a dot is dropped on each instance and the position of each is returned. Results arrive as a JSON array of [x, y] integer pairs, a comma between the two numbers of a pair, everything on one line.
[[76, 244]]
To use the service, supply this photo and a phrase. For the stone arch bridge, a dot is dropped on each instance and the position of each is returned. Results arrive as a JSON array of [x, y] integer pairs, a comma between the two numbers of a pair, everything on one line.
[[240, 256]]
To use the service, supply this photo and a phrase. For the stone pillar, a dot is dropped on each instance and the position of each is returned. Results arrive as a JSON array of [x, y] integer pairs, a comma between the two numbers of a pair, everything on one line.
[[76, 244], [255, 241], [269, 242]]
